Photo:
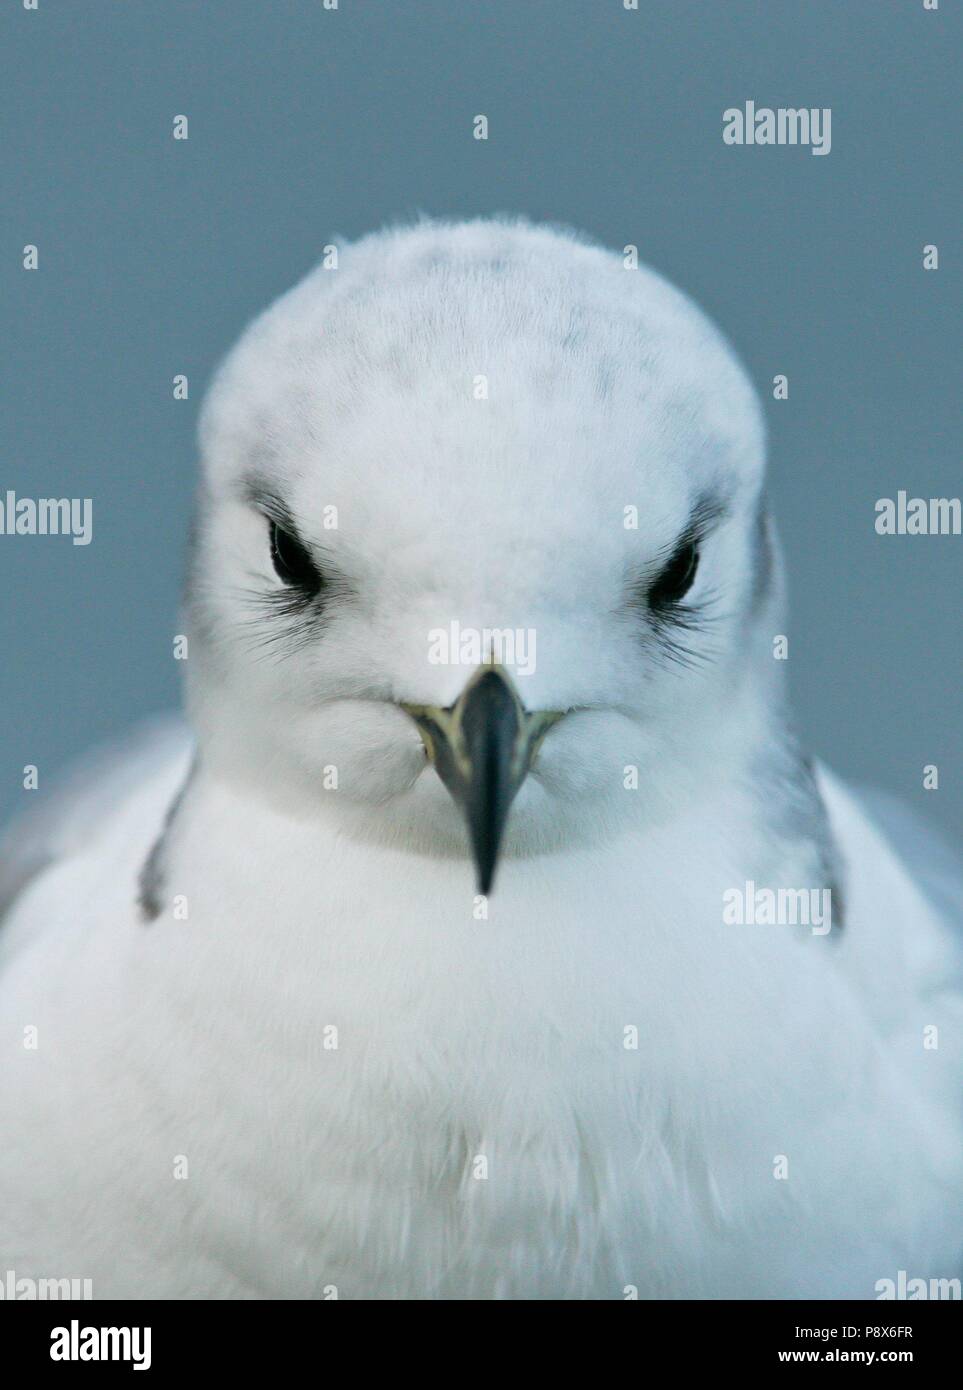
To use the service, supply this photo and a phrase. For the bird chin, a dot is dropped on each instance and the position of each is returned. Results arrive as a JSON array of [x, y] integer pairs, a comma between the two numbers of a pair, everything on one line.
[[425, 819]]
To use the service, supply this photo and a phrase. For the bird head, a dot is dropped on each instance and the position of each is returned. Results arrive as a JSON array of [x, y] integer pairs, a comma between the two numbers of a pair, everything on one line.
[[481, 563]]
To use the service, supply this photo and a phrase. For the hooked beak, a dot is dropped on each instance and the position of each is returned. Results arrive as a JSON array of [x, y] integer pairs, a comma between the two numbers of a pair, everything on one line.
[[482, 747]]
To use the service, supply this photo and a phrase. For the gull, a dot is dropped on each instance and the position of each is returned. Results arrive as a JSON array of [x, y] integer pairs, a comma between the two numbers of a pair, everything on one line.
[[384, 975]]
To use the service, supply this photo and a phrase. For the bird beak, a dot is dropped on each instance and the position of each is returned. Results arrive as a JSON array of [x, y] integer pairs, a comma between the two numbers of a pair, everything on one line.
[[482, 747]]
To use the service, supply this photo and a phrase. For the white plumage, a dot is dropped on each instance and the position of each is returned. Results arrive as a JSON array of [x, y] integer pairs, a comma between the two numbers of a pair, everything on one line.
[[280, 1051]]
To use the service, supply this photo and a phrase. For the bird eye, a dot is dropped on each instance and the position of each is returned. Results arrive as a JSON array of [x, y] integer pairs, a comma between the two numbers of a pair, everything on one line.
[[677, 578], [292, 563]]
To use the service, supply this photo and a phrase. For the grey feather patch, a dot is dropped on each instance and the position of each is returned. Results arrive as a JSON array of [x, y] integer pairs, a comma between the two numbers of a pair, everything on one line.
[[762, 561], [830, 858], [150, 898], [791, 802]]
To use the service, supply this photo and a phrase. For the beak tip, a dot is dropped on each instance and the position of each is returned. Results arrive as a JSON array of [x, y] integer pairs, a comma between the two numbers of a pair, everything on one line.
[[481, 748], [485, 855]]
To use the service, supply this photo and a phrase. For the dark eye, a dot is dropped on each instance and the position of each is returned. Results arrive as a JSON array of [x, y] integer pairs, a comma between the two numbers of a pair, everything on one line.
[[292, 562], [676, 579]]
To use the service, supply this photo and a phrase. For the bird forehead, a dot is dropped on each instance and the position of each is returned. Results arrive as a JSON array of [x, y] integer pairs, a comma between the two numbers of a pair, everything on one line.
[[510, 365], [451, 485], [433, 451]]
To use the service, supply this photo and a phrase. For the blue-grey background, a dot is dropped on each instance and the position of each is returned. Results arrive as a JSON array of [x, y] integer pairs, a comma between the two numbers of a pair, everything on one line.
[[307, 123]]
